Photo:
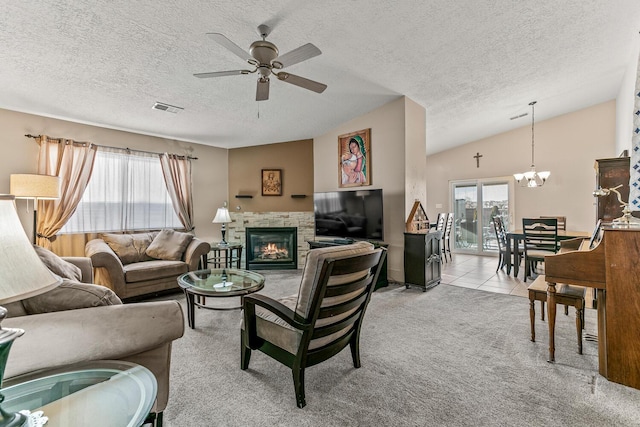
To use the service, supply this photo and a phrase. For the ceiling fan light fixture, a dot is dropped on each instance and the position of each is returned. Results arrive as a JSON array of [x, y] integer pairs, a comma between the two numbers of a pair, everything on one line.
[[266, 59]]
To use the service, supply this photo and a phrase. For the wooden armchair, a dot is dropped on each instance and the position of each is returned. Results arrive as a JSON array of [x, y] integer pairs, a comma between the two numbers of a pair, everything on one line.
[[323, 318]]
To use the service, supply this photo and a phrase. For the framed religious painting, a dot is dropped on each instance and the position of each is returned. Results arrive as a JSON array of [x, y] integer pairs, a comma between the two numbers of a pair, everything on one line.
[[354, 159], [272, 182]]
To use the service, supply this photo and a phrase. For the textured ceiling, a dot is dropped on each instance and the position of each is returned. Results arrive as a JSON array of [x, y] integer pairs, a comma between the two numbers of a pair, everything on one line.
[[471, 64]]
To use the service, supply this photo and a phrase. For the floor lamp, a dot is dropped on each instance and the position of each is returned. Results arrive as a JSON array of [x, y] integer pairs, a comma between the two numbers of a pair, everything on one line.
[[35, 187], [22, 275]]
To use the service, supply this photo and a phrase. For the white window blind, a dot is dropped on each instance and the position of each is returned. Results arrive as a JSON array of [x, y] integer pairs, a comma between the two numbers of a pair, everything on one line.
[[126, 192]]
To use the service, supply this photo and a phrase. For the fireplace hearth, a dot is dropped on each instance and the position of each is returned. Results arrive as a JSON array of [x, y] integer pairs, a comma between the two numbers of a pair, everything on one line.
[[272, 248]]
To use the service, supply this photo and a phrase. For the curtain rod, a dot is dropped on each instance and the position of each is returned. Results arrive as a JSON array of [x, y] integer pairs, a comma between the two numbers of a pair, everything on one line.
[[28, 135]]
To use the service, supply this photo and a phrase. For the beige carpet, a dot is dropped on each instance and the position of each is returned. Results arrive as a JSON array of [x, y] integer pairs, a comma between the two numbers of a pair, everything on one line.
[[447, 357]]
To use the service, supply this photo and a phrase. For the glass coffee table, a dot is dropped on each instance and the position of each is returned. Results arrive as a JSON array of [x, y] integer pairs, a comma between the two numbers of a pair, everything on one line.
[[218, 283], [100, 393]]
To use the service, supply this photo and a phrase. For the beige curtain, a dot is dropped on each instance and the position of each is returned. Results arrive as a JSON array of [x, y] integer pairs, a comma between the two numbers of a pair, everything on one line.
[[177, 176], [72, 163]]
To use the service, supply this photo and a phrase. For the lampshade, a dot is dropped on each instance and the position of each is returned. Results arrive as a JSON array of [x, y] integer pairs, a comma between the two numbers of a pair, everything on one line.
[[22, 274], [222, 216], [32, 186]]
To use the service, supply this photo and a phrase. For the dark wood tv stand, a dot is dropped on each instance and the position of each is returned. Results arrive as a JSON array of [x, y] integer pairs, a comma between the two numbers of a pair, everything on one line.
[[383, 281]]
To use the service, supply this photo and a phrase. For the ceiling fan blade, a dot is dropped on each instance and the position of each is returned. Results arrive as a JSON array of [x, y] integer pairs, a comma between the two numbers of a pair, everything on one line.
[[221, 73], [262, 91], [302, 82], [225, 42], [300, 54]]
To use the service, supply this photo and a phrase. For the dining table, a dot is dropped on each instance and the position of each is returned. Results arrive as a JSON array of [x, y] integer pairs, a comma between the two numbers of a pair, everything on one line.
[[515, 237]]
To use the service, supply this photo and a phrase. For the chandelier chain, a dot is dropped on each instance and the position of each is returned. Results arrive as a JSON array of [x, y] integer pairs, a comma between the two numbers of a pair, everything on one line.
[[532, 131]]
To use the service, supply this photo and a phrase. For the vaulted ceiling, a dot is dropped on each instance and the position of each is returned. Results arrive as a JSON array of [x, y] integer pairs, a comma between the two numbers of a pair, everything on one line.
[[471, 64]]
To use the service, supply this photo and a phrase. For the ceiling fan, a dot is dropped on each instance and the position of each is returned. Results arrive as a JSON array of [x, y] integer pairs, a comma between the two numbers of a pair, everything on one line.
[[264, 56]]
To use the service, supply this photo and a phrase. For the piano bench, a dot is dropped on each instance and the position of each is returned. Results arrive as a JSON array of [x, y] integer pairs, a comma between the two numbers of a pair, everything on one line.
[[567, 295]]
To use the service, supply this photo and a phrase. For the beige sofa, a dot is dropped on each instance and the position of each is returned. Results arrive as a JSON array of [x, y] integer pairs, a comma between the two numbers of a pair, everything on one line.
[[105, 330], [144, 263]]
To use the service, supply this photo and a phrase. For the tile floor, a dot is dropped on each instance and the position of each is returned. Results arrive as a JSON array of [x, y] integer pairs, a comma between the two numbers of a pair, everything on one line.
[[479, 272]]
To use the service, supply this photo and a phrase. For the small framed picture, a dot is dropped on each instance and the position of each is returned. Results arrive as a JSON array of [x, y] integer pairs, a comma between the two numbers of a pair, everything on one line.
[[354, 159], [272, 182]]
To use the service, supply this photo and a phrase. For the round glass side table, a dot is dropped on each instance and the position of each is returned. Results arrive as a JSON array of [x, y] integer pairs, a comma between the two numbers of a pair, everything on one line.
[[219, 283], [99, 394]]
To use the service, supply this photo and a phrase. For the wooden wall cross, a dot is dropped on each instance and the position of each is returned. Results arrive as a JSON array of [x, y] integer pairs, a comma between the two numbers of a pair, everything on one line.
[[477, 157]]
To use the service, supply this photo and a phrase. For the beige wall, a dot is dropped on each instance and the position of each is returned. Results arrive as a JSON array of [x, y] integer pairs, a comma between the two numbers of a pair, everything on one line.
[[415, 155], [566, 145], [388, 136], [20, 156], [295, 158]]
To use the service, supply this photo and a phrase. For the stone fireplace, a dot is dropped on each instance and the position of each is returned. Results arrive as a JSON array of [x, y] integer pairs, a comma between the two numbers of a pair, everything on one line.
[[271, 248], [302, 221]]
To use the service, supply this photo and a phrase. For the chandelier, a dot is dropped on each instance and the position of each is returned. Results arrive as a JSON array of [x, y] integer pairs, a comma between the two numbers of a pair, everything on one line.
[[532, 178]]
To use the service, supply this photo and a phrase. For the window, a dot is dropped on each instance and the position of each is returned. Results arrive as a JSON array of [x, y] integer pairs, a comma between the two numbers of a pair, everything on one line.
[[126, 192]]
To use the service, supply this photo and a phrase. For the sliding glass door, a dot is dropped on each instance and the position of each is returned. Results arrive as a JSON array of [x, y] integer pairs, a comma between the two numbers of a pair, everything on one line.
[[474, 203]]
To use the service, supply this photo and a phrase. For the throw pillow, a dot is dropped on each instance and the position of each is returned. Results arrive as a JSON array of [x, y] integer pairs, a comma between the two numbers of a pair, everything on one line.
[[57, 265], [169, 245], [70, 295], [129, 248]]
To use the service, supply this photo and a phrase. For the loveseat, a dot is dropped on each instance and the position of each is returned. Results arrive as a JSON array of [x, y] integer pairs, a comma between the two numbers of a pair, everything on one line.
[[79, 322], [137, 264]]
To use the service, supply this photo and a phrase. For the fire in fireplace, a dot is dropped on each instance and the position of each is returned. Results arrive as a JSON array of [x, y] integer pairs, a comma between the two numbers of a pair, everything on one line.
[[272, 248], [273, 251]]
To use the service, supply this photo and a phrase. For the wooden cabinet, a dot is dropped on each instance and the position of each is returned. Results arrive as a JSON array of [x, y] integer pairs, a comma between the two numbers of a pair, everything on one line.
[[611, 173], [382, 277], [422, 261]]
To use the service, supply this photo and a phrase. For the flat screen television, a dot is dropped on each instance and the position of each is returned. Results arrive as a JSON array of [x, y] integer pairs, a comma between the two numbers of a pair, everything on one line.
[[355, 214]]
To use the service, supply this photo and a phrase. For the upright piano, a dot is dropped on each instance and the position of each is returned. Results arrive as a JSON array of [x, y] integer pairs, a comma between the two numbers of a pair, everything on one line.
[[613, 269]]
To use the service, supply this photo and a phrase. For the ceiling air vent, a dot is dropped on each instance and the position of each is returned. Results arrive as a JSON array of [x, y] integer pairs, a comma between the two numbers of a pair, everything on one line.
[[166, 107]]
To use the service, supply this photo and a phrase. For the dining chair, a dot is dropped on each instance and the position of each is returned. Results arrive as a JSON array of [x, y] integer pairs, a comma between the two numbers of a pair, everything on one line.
[[540, 239], [324, 317], [446, 237], [562, 221], [501, 237], [440, 224]]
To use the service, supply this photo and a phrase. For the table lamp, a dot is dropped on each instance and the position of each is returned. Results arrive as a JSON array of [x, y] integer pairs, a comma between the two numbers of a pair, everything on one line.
[[222, 217], [34, 187], [22, 275]]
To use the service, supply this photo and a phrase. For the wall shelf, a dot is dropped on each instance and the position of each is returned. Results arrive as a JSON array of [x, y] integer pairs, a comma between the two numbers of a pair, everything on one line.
[[298, 196], [244, 196]]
